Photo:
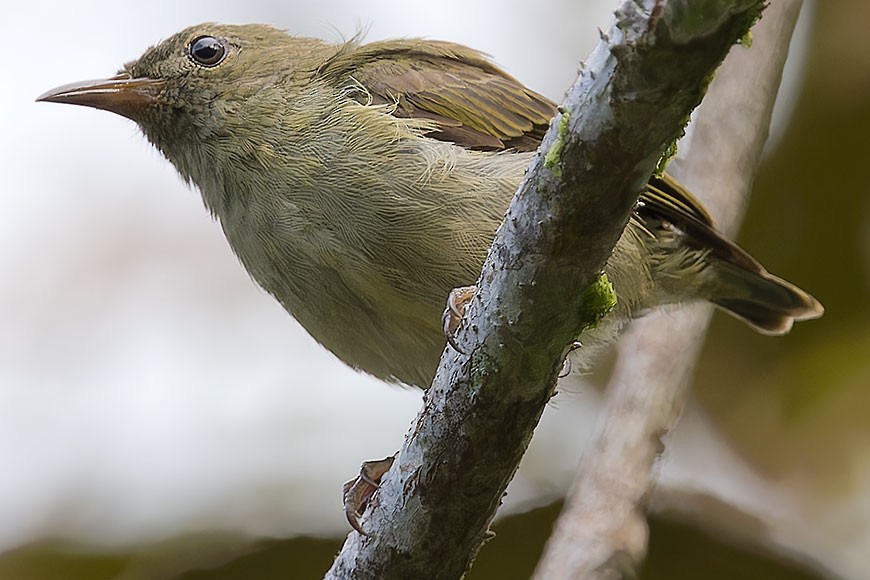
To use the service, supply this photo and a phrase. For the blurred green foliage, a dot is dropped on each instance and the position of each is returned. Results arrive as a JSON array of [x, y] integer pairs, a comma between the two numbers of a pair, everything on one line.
[[677, 552]]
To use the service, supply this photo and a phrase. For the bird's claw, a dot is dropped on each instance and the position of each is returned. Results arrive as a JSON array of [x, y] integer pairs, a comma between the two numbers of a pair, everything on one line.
[[566, 362], [359, 491], [457, 303]]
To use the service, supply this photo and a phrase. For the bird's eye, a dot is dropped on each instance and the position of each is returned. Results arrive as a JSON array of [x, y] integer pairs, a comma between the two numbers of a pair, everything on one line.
[[207, 51]]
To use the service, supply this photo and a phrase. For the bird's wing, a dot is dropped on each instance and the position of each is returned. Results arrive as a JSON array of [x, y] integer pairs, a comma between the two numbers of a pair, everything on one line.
[[666, 200], [472, 102], [477, 105], [665, 196]]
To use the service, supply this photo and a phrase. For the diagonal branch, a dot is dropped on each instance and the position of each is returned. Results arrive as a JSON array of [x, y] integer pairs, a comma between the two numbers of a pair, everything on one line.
[[434, 507], [602, 530]]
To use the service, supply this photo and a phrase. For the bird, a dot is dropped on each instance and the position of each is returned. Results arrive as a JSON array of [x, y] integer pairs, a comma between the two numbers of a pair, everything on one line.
[[360, 183]]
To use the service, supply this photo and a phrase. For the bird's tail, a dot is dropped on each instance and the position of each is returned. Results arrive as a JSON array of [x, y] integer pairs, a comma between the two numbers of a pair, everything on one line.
[[767, 303], [723, 272]]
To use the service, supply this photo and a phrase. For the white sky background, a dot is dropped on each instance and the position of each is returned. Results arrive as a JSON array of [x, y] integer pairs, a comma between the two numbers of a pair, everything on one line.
[[147, 387]]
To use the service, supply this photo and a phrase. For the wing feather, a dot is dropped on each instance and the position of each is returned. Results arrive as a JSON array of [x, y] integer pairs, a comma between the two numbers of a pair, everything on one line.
[[477, 105], [474, 103]]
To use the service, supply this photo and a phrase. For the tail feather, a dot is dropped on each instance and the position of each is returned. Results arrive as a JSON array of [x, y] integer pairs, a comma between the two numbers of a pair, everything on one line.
[[731, 278], [767, 303]]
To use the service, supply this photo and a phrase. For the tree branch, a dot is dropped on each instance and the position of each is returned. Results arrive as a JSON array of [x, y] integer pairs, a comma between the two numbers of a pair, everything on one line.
[[434, 507], [602, 531]]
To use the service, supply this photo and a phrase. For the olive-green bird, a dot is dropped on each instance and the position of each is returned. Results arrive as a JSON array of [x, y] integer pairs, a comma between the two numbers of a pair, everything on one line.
[[360, 183]]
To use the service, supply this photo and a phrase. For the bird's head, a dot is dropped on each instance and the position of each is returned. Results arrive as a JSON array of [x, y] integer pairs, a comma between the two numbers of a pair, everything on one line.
[[207, 83]]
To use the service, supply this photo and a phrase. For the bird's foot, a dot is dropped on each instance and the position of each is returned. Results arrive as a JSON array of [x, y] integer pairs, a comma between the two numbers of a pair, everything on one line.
[[359, 491], [457, 303]]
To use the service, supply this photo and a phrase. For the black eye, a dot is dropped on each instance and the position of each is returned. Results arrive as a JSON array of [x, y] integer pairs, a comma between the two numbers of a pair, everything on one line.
[[207, 50]]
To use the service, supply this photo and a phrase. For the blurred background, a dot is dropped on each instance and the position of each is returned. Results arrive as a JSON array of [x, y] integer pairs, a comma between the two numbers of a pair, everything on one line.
[[162, 418]]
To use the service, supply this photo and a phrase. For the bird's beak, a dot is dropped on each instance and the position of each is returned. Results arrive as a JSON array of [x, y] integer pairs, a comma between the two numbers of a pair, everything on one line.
[[120, 94]]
